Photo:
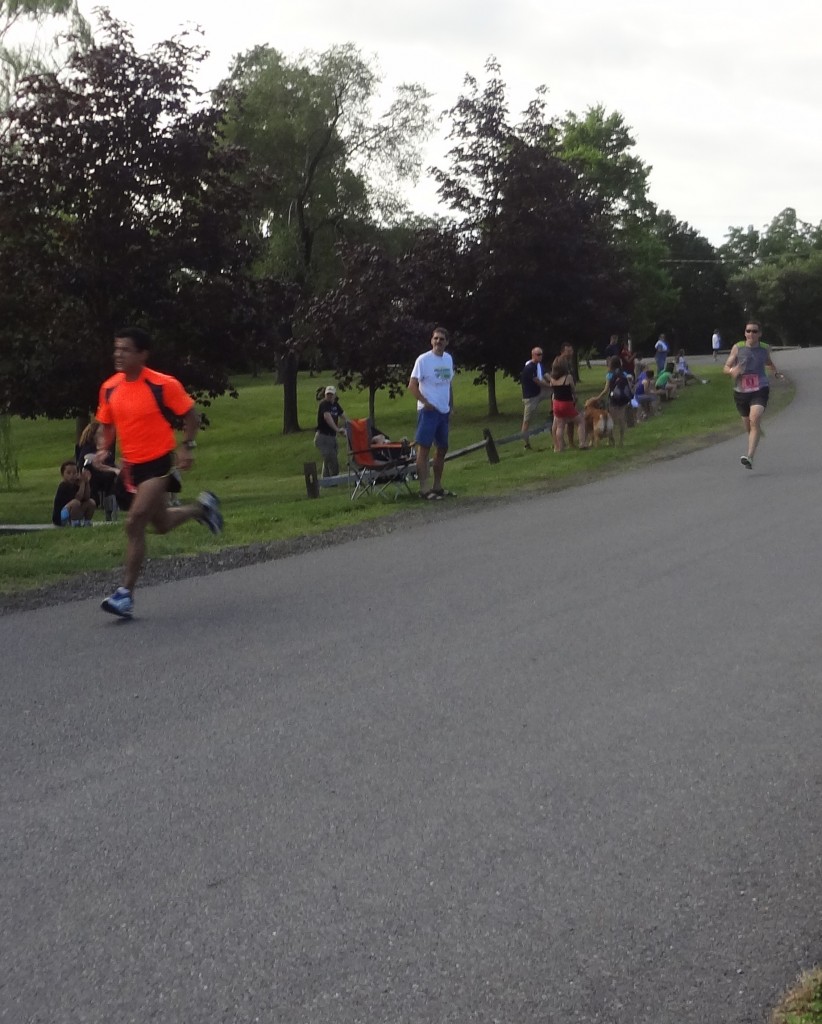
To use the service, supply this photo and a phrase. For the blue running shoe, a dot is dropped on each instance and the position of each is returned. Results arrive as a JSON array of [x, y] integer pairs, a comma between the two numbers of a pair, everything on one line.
[[210, 514], [120, 603]]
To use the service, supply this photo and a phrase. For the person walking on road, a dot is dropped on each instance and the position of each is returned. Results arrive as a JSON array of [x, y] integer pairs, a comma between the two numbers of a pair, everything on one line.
[[431, 385], [716, 343], [748, 365], [136, 407]]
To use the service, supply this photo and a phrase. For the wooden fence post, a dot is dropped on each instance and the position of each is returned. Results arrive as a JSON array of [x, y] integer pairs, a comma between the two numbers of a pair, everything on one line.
[[312, 484], [490, 447]]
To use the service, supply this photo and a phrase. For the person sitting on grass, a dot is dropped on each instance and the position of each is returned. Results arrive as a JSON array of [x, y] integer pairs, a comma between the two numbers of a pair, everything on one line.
[[73, 504], [666, 385], [645, 394], [684, 373]]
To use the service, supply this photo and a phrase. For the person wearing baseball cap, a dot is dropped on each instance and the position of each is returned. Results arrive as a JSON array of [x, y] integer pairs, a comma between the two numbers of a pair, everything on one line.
[[329, 415]]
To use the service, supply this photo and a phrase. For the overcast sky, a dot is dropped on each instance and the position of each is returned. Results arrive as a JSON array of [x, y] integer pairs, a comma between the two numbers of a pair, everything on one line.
[[724, 97]]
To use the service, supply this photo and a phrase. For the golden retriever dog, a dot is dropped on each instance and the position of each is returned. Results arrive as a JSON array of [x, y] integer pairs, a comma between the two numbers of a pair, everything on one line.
[[599, 423]]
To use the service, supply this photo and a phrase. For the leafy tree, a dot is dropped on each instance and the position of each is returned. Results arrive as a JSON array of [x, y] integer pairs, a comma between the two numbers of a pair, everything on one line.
[[327, 166], [118, 204], [533, 260], [365, 325], [787, 297], [9, 467], [436, 283], [701, 282], [17, 59], [787, 238], [776, 275], [600, 147], [653, 297], [741, 248], [23, 49], [474, 187], [380, 315]]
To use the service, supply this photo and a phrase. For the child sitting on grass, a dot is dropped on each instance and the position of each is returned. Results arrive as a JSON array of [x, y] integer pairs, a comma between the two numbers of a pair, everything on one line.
[[73, 504]]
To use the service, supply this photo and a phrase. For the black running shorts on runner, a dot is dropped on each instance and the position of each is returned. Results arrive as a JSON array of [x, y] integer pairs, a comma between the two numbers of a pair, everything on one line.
[[745, 399], [142, 471]]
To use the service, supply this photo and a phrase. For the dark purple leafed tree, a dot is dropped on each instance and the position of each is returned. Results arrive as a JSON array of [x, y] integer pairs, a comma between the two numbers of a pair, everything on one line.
[[119, 203]]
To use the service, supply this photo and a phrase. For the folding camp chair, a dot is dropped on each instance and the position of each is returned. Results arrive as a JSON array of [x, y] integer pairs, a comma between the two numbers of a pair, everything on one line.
[[377, 469]]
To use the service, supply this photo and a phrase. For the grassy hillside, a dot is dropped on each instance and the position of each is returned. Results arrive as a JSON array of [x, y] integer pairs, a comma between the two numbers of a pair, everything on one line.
[[258, 473]]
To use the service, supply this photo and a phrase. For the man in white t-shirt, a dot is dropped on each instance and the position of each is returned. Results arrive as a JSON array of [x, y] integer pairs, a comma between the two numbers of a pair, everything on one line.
[[716, 343], [431, 385]]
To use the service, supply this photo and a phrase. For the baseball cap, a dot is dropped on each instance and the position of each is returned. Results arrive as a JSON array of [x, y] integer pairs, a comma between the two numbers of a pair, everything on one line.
[[330, 390]]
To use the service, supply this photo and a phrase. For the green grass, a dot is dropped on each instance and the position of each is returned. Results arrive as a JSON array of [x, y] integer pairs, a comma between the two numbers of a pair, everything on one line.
[[803, 1004], [258, 472]]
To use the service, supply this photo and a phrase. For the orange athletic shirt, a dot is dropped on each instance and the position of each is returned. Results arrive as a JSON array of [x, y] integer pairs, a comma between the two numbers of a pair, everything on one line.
[[131, 408]]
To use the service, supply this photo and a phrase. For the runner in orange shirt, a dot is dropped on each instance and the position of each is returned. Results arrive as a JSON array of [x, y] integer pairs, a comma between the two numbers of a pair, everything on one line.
[[136, 407]]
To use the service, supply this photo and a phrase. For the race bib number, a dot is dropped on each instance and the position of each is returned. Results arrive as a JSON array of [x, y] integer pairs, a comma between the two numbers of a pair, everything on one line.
[[750, 382]]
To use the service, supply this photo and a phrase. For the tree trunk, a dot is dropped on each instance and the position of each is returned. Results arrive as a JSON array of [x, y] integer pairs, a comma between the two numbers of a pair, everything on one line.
[[491, 374], [9, 467], [372, 394], [288, 377], [80, 424]]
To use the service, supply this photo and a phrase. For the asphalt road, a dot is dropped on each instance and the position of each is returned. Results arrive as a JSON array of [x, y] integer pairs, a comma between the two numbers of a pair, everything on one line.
[[554, 761]]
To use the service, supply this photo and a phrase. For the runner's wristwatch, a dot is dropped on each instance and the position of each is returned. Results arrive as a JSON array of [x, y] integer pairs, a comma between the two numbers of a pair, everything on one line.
[[191, 445]]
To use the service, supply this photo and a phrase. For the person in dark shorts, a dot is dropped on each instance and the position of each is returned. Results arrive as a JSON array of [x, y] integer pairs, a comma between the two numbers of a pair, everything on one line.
[[137, 406], [748, 365], [73, 504]]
